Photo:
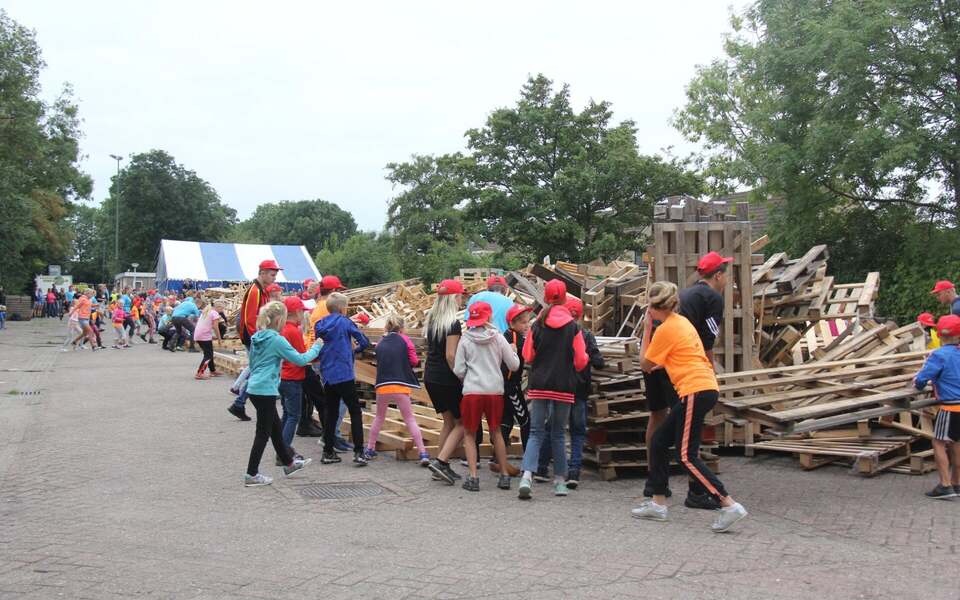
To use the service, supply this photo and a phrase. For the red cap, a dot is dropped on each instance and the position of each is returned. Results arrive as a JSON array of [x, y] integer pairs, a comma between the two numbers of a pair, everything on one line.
[[555, 292], [926, 319], [293, 303], [307, 282], [270, 265], [710, 262], [331, 282], [941, 286], [362, 318], [449, 287], [949, 326], [480, 313], [516, 310], [575, 306], [496, 280], [273, 288]]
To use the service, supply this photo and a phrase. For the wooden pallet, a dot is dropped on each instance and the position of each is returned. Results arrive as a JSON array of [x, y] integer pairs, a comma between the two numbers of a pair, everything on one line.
[[867, 456]]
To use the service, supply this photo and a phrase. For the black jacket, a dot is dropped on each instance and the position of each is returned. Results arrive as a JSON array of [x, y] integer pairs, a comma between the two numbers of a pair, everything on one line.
[[585, 376]]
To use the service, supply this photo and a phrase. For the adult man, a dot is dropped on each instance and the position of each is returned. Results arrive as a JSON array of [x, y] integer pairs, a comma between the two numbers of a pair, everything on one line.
[[496, 296], [702, 305], [254, 297], [181, 322], [946, 293]]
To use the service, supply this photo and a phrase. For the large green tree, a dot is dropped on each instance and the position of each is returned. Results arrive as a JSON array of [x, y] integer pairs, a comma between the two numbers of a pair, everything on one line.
[[159, 198], [363, 259], [313, 223], [88, 259], [39, 153]]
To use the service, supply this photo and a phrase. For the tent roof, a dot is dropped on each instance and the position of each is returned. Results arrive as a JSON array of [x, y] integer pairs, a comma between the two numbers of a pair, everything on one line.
[[208, 261]]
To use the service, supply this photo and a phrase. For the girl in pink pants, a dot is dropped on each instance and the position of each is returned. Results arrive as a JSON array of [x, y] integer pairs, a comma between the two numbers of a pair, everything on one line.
[[396, 358]]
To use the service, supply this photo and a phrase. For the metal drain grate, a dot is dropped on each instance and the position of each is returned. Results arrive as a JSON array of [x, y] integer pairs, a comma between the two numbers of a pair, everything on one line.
[[342, 491]]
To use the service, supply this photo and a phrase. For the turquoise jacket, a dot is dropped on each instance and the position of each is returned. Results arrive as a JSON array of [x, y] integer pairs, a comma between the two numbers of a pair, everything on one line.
[[267, 349]]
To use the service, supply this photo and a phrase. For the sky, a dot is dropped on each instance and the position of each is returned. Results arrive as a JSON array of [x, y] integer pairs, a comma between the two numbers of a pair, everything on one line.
[[303, 100]]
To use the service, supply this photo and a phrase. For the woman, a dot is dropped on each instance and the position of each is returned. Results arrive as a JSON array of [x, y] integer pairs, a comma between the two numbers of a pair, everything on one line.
[[676, 346]]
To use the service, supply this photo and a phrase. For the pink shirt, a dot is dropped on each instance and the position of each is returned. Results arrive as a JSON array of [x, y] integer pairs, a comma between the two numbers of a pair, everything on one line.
[[204, 329]]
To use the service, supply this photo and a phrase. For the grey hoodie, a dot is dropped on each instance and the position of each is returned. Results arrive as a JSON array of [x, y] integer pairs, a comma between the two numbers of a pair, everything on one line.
[[479, 355]]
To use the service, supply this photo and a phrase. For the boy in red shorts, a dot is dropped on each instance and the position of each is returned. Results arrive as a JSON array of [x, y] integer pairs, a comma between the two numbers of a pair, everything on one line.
[[481, 351]]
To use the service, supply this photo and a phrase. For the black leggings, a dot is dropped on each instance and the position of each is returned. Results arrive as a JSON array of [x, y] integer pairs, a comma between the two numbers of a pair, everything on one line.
[[683, 428], [268, 427], [313, 397], [346, 391], [207, 361], [515, 412]]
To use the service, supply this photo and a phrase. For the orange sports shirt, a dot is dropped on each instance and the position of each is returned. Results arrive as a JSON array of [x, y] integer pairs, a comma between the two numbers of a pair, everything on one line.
[[676, 346]]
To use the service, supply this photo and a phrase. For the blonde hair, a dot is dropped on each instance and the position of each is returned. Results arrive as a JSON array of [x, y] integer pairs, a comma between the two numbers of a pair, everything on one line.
[[394, 323], [440, 318], [272, 315], [662, 295], [336, 302]]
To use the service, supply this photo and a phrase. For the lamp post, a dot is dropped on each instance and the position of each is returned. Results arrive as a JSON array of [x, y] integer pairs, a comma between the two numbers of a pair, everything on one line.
[[116, 229], [134, 265]]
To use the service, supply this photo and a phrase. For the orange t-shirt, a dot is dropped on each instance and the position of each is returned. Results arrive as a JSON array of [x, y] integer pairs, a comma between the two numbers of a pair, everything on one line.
[[676, 346], [83, 307], [319, 311]]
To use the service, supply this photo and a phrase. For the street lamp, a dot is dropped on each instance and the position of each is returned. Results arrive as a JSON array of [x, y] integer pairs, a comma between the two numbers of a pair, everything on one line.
[[116, 229], [134, 265]]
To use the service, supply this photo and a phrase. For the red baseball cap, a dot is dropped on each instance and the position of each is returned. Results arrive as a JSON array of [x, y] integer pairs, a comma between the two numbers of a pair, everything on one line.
[[575, 306], [331, 282], [449, 287], [273, 288], [293, 303], [710, 262], [362, 318], [270, 265], [480, 313], [949, 326], [926, 319], [496, 280], [307, 282], [516, 310], [555, 292], [942, 285]]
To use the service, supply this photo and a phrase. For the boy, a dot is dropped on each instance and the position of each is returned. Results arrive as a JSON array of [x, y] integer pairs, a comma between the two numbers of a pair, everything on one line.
[[930, 329], [514, 403], [942, 368], [275, 292]]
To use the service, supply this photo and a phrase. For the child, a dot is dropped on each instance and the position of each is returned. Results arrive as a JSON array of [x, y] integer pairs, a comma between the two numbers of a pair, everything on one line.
[[514, 403], [165, 327], [336, 366], [204, 333], [481, 351], [267, 349], [292, 375], [118, 317], [676, 346], [74, 330], [3, 316], [942, 369], [275, 292], [930, 330], [396, 358]]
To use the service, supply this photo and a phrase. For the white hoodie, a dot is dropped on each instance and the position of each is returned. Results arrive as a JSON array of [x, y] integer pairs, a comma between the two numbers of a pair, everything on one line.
[[480, 353]]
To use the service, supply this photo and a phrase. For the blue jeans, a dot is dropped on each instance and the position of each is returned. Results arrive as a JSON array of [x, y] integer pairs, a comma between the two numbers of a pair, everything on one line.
[[547, 415], [578, 436], [291, 395]]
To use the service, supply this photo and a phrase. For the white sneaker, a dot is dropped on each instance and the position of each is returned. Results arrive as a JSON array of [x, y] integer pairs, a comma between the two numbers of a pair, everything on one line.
[[256, 480], [650, 510], [296, 466], [727, 516]]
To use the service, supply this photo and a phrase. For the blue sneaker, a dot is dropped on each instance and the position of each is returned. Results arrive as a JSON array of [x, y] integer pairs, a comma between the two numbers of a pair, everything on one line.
[[424, 459], [341, 445], [369, 454]]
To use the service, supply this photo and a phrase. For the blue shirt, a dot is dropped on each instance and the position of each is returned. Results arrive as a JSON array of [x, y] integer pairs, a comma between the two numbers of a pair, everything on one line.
[[69, 296], [127, 302], [955, 307], [186, 309], [500, 304], [336, 356], [942, 368]]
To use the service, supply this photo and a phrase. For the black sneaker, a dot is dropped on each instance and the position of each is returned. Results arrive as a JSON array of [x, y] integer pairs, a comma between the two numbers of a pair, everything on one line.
[[956, 490], [648, 491], [329, 458], [504, 482], [471, 484], [941, 492], [542, 476], [442, 470], [701, 501], [573, 478], [359, 459], [238, 412]]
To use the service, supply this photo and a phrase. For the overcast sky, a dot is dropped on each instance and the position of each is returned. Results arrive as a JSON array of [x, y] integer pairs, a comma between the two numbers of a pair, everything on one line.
[[301, 100]]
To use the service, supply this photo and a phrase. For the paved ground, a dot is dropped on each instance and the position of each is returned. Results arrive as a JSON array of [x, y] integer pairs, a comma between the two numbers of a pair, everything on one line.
[[121, 478]]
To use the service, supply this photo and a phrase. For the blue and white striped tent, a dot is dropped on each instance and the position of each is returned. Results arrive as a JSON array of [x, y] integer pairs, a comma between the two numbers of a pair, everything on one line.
[[214, 265]]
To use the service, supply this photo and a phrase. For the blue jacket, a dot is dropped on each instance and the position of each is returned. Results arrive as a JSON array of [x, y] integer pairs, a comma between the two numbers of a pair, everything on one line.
[[500, 304], [186, 309], [942, 368], [267, 349], [336, 356]]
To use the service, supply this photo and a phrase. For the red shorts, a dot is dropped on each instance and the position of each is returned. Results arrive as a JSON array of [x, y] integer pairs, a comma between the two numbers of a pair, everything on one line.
[[474, 406]]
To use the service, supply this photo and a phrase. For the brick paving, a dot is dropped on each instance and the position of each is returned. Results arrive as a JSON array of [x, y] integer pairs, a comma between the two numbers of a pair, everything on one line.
[[121, 478]]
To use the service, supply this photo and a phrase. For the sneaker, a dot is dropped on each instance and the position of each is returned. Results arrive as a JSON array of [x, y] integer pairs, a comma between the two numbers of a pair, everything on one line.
[[573, 479], [341, 445], [256, 480], [471, 484], [464, 463], [442, 470], [201, 376], [216, 374], [233, 391], [152, 342], [359, 459], [650, 510], [424, 459], [64, 349], [503, 482], [295, 466], [956, 490], [143, 336], [542, 476], [311, 430], [727, 516], [701, 501], [238, 412], [524, 489], [648, 491], [296, 456], [369, 453], [941, 492], [329, 458], [560, 489]]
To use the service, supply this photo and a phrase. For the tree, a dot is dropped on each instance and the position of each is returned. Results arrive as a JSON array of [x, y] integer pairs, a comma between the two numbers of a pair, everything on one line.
[[39, 153], [89, 250], [363, 259], [313, 223], [161, 199]]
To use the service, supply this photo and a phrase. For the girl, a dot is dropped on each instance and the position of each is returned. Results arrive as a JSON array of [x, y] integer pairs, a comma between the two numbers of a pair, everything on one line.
[[74, 331], [555, 351], [676, 346], [396, 358], [267, 350], [118, 317], [442, 329], [204, 334]]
